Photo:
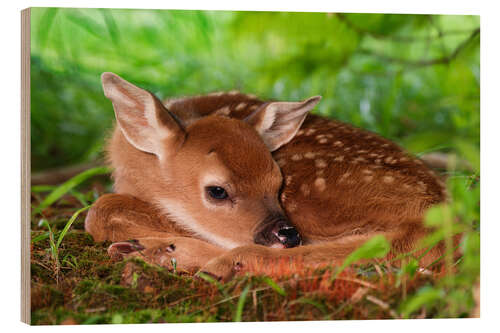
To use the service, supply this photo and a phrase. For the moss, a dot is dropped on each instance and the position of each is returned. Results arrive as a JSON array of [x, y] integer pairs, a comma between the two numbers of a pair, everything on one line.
[[87, 287]]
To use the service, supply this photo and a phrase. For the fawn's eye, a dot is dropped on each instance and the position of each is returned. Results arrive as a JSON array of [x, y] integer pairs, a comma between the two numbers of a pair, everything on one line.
[[217, 192]]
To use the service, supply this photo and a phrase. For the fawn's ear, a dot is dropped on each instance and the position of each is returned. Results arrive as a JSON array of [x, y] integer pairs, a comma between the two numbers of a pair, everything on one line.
[[143, 119], [278, 122], [118, 250]]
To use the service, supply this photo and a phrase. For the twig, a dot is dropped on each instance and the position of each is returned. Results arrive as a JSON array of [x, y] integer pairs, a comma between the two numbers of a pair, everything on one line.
[[382, 304]]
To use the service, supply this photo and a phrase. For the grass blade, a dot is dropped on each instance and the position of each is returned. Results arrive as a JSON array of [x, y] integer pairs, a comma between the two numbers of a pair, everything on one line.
[[241, 303], [309, 301], [376, 247], [40, 237], [80, 197], [86, 23], [45, 25], [42, 188], [64, 188], [270, 282], [111, 26], [68, 225]]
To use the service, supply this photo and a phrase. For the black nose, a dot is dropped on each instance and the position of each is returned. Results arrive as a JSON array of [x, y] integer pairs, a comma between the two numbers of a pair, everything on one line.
[[276, 231], [289, 236]]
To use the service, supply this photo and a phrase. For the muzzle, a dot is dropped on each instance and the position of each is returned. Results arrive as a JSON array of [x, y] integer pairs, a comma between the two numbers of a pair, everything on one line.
[[276, 231]]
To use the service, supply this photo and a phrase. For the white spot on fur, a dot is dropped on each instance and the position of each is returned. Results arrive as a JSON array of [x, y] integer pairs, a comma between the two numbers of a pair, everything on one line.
[[310, 131], [309, 155], [296, 157], [344, 177], [288, 180], [358, 159], [323, 140], [241, 106], [300, 132], [281, 162], [233, 92], [388, 179], [320, 163], [338, 144], [320, 184], [339, 158], [225, 111]]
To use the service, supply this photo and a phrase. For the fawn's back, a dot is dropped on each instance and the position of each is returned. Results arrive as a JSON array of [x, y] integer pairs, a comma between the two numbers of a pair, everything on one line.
[[338, 180], [206, 163]]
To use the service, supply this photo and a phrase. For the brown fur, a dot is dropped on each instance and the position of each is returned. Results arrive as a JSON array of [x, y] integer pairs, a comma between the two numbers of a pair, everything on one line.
[[341, 185]]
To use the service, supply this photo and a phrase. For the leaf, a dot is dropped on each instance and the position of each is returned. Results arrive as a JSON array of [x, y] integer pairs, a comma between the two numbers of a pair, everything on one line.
[[117, 319], [64, 188], [376, 247], [241, 303], [470, 152], [410, 268], [426, 296], [436, 215]]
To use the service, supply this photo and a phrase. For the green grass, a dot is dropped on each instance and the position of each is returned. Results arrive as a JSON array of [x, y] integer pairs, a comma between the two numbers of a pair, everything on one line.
[[379, 72], [74, 280]]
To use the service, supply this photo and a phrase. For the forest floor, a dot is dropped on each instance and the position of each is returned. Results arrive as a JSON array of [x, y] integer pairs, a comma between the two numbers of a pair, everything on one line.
[[74, 281]]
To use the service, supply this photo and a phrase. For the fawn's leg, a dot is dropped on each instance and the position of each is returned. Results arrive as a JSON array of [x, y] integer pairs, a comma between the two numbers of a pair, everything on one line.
[[119, 218], [332, 252], [185, 253]]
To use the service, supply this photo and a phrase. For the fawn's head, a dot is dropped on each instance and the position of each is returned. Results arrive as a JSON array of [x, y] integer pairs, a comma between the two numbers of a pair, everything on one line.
[[217, 175]]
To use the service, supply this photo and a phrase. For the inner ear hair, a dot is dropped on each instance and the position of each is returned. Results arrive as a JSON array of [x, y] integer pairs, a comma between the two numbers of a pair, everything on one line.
[[278, 122], [143, 119]]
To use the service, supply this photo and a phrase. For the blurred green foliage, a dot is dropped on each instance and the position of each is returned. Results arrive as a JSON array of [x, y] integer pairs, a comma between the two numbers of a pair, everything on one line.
[[411, 78]]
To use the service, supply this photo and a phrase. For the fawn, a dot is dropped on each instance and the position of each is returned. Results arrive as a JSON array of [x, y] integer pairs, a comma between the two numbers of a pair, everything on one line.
[[216, 181]]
